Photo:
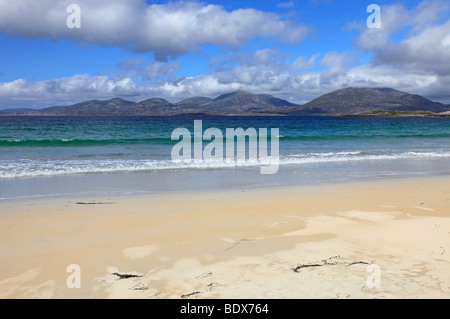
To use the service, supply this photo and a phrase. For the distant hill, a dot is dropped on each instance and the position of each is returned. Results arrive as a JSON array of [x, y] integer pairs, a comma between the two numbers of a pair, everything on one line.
[[243, 102], [239, 102], [344, 102], [352, 101], [94, 107], [15, 111], [194, 102]]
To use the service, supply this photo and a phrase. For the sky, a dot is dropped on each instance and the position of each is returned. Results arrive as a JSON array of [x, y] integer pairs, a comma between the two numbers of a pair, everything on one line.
[[293, 49]]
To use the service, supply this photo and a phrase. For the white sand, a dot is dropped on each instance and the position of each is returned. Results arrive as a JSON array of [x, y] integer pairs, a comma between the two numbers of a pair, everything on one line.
[[235, 244]]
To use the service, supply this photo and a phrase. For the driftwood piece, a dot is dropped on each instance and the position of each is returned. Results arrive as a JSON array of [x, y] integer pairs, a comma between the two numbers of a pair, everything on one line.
[[191, 294], [139, 286], [209, 287], [329, 262], [126, 276], [357, 262]]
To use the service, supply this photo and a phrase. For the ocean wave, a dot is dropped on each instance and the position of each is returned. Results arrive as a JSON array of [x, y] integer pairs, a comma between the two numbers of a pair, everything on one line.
[[68, 142], [34, 168], [363, 136], [82, 142]]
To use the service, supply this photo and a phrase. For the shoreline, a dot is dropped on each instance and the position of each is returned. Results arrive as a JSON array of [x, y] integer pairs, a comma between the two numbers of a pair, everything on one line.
[[233, 244], [139, 195], [246, 178]]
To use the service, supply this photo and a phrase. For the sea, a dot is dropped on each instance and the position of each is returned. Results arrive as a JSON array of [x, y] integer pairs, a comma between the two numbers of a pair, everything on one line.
[[93, 156]]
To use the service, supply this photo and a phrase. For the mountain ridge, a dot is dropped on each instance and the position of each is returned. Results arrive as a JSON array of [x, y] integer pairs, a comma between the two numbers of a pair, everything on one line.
[[343, 102], [353, 101]]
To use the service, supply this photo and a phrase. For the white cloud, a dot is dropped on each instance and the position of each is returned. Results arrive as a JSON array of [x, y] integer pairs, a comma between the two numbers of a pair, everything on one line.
[[392, 19], [420, 62], [424, 50], [155, 71], [64, 91], [336, 65], [302, 64], [428, 13], [166, 30], [286, 5], [428, 51]]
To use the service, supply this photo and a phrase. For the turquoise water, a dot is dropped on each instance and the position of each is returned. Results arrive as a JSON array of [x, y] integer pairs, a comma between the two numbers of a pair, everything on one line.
[[37, 148]]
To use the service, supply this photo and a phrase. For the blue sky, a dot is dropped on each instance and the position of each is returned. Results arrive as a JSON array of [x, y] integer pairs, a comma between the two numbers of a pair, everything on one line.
[[295, 50]]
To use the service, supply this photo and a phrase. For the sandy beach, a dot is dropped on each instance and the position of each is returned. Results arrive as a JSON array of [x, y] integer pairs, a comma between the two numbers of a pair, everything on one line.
[[294, 242]]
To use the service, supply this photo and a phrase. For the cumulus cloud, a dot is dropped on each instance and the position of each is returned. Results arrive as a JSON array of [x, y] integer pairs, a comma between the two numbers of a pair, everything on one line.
[[419, 62], [62, 91], [335, 66], [428, 51], [138, 67], [427, 47], [300, 63], [166, 30]]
